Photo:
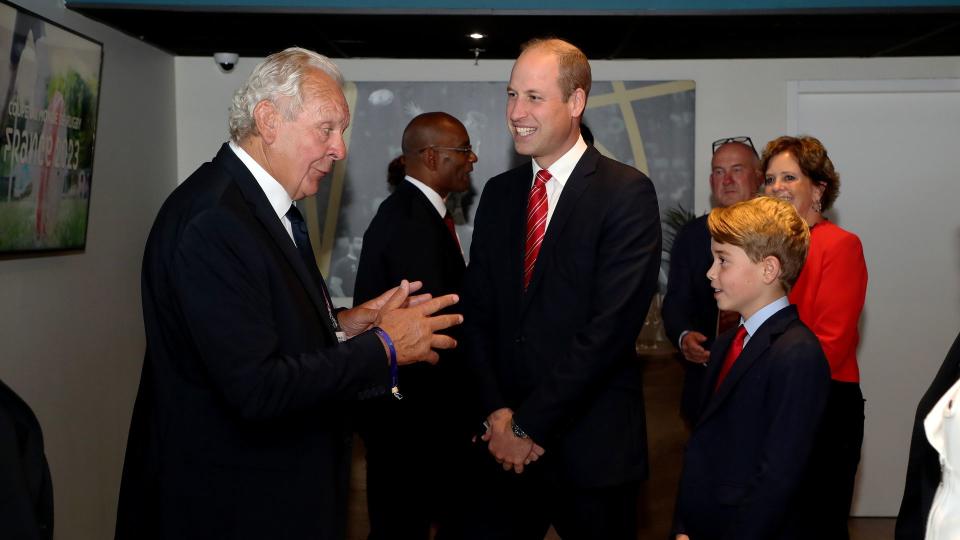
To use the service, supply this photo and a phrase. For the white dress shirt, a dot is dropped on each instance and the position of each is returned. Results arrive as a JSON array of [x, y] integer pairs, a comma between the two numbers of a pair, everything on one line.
[[560, 171], [943, 433], [435, 199], [278, 197]]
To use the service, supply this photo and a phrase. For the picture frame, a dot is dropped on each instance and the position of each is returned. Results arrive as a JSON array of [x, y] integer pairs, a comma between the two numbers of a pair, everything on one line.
[[50, 92]]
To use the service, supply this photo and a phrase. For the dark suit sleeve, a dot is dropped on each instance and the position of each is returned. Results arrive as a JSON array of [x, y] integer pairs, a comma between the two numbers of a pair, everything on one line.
[[17, 516], [223, 286], [923, 465], [418, 261], [375, 268], [680, 301], [480, 310], [798, 395], [26, 494], [400, 248], [627, 267]]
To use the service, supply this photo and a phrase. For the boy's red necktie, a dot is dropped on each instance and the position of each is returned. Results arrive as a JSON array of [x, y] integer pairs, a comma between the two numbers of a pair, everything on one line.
[[735, 348]]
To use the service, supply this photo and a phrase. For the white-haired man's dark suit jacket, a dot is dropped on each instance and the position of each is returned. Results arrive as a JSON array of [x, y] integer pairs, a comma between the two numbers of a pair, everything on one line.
[[238, 429]]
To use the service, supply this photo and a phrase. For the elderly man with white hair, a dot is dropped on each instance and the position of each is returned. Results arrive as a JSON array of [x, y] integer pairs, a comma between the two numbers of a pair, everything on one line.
[[238, 429]]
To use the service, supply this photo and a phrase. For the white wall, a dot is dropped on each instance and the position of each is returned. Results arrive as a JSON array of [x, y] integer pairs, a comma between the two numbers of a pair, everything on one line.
[[910, 231], [734, 97], [70, 325]]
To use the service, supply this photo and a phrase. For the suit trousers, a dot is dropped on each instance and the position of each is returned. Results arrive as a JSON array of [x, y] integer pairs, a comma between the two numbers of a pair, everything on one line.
[[509, 506], [834, 462], [414, 469]]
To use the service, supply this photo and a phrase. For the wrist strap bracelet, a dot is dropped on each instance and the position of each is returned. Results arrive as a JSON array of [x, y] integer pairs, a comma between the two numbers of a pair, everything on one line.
[[394, 369]]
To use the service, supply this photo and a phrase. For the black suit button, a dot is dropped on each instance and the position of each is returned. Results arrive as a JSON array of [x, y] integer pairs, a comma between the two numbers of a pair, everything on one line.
[[518, 339]]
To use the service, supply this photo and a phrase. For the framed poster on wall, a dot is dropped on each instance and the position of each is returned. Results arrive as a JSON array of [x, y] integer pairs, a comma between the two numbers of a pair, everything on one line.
[[646, 124], [50, 90]]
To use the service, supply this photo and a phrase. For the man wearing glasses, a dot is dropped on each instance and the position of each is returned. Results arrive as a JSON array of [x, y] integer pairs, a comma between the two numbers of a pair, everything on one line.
[[690, 312], [414, 442]]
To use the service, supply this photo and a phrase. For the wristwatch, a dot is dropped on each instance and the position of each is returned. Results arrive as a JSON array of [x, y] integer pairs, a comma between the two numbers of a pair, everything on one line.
[[519, 433]]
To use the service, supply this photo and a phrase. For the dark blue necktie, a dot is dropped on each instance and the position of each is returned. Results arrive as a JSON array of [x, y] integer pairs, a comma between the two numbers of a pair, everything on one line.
[[302, 240]]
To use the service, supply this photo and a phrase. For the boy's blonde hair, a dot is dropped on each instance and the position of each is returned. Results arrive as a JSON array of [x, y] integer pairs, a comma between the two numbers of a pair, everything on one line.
[[764, 227]]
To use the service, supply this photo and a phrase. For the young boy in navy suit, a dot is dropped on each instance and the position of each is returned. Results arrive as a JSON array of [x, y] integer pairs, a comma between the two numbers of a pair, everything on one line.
[[765, 389]]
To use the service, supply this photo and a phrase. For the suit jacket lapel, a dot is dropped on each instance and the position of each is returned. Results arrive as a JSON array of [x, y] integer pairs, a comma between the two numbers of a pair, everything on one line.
[[754, 348], [414, 193], [265, 214], [708, 400], [515, 209], [572, 190]]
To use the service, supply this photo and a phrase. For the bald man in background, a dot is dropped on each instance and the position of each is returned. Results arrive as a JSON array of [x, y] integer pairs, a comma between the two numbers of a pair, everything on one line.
[[417, 444], [690, 315]]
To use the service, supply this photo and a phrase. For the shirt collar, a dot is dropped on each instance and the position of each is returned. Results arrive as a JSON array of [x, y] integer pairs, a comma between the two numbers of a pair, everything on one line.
[[435, 199], [278, 197], [757, 319], [563, 167]]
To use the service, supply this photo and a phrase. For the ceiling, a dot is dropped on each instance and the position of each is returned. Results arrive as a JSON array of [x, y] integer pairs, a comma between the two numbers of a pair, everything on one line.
[[192, 32]]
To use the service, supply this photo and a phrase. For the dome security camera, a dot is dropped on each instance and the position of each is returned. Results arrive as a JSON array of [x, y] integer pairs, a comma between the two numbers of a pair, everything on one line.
[[226, 60]]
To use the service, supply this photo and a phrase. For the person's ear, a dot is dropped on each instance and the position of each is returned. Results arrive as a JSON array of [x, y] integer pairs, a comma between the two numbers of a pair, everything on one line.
[[819, 188], [771, 269], [266, 116], [577, 102], [430, 157]]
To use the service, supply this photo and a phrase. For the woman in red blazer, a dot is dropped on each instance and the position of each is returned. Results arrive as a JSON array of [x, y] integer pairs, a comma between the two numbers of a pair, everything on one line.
[[829, 296]]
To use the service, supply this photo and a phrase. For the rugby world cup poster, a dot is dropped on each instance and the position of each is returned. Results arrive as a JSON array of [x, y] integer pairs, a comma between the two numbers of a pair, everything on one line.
[[50, 88]]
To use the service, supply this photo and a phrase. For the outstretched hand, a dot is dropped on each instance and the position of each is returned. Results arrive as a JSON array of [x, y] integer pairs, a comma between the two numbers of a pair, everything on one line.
[[411, 324], [363, 317]]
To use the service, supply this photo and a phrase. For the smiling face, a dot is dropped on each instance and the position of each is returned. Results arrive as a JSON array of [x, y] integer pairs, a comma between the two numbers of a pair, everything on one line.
[[299, 152], [544, 125], [738, 283], [735, 174], [785, 180]]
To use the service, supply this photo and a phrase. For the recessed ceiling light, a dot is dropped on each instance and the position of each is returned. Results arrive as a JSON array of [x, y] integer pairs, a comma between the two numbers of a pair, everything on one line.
[[477, 35]]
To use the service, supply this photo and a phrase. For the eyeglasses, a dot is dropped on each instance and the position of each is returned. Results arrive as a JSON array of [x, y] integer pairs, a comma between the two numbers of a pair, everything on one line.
[[742, 140], [468, 149]]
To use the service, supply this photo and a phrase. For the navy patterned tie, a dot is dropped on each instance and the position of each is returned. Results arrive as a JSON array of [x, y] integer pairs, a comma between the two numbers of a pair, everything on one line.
[[302, 241]]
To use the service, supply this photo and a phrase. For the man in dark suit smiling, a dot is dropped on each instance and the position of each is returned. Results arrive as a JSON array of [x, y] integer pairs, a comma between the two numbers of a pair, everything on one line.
[[563, 265], [237, 431]]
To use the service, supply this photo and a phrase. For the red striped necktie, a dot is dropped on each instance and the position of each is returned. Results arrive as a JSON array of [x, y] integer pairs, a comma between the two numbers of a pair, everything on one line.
[[536, 223]]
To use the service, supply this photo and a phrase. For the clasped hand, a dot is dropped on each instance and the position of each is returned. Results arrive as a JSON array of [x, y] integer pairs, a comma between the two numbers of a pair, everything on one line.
[[408, 320], [510, 451], [692, 347]]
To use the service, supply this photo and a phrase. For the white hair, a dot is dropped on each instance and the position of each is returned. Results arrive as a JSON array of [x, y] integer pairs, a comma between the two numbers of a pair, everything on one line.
[[280, 75]]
